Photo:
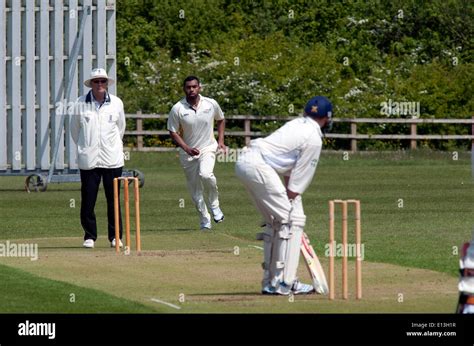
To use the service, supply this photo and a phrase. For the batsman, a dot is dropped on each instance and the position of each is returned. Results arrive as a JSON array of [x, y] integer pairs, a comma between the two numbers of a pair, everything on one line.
[[291, 152]]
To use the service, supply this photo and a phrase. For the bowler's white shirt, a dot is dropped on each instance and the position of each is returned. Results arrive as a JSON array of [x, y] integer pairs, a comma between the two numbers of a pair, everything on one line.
[[197, 125], [293, 150]]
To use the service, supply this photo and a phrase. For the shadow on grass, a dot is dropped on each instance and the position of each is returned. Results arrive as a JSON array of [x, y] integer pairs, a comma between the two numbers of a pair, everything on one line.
[[61, 247], [253, 293], [174, 230]]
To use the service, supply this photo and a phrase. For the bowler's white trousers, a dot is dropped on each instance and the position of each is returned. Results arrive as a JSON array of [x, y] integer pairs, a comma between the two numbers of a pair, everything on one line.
[[199, 175]]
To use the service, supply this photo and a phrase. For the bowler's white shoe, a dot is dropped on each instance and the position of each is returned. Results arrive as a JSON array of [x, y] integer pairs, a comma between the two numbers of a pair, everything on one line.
[[88, 243], [217, 214], [205, 224], [112, 243]]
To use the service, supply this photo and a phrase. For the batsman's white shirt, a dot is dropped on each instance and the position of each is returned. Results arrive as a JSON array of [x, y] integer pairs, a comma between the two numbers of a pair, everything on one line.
[[197, 125], [293, 150]]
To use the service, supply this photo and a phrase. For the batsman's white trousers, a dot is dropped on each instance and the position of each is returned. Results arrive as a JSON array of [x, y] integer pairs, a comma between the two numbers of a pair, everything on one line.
[[264, 185], [199, 172], [282, 249]]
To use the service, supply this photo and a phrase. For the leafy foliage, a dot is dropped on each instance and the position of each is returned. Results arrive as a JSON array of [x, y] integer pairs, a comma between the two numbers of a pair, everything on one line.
[[269, 57]]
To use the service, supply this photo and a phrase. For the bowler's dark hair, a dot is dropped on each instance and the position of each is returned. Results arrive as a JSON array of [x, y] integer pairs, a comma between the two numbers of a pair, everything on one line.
[[190, 78]]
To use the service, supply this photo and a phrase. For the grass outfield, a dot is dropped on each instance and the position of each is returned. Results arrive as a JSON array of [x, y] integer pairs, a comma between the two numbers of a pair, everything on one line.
[[416, 211], [24, 292]]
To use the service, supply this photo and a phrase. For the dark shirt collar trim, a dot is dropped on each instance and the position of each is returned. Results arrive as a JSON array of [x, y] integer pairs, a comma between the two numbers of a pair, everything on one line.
[[89, 97], [189, 105]]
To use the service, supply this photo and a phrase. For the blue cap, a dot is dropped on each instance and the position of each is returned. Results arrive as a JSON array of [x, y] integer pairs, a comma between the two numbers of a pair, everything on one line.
[[318, 107]]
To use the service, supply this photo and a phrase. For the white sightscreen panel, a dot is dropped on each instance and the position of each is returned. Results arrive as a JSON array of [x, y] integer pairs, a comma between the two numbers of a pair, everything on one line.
[[28, 87], [86, 48], [56, 79], [70, 30], [100, 34], [14, 86], [42, 120], [111, 50], [36, 41]]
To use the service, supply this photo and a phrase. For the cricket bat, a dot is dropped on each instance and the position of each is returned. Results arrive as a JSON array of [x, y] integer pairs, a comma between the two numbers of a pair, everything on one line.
[[314, 266]]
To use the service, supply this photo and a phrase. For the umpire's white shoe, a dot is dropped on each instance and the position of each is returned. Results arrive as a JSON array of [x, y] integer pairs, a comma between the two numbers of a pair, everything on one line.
[[88, 243], [112, 243], [301, 288], [217, 214]]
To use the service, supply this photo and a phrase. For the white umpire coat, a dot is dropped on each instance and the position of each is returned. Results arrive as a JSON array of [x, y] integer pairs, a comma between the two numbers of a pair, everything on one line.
[[98, 133]]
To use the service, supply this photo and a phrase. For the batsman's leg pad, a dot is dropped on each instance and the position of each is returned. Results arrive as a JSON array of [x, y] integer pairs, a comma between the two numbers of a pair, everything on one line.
[[292, 255], [267, 237], [279, 254]]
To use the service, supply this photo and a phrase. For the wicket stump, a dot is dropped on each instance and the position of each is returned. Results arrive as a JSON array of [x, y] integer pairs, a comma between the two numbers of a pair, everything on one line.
[[127, 213], [344, 204]]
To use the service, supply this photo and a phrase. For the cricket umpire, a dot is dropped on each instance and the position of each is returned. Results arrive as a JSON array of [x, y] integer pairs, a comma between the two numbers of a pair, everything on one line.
[[97, 128], [293, 152], [191, 126]]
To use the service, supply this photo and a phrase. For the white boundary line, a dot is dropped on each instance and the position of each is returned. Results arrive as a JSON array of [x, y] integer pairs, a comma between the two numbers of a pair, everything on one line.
[[166, 303], [256, 247]]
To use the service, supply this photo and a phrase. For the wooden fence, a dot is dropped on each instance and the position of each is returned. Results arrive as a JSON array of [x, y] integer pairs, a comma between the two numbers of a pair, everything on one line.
[[353, 136]]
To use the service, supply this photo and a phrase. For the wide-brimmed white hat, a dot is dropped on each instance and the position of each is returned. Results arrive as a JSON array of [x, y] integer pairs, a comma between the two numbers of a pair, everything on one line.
[[98, 73]]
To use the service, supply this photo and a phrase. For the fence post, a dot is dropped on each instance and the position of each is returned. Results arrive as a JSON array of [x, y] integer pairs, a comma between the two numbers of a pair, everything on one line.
[[139, 122], [472, 148], [247, 131], [413, 133], [353, 134]]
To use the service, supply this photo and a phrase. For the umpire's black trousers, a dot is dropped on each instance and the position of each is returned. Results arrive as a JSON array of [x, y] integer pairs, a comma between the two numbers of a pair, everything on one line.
[[90, 181]]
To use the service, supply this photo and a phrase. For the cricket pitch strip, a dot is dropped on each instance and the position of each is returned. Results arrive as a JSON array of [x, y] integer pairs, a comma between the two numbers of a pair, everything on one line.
[[208, 275]]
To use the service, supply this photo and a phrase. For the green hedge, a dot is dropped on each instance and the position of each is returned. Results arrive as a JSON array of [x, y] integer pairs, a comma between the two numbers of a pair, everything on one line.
[[270, 57]]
